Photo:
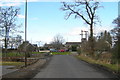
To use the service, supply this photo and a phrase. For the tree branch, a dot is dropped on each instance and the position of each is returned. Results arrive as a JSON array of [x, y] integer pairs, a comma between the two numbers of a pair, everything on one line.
[[88, 11], [79, 15]]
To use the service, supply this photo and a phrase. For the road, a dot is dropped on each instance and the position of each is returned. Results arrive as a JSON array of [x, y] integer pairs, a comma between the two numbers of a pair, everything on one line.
[[67, 66]]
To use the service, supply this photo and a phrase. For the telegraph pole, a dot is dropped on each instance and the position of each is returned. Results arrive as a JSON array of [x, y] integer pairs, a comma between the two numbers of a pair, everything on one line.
[[81, 34], [86, 34], [25, 32], [26, 20]]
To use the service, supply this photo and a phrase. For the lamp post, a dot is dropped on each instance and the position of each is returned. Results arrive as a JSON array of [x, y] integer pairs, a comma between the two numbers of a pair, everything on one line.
[[25, 31]]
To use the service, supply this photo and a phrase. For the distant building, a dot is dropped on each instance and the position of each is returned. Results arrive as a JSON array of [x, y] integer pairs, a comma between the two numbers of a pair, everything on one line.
[[35, 47], [48, 46], [26, 46], [69, 45]]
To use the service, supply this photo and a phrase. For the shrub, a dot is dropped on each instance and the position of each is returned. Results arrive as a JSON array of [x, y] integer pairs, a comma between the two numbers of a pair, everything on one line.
[[79, 51]]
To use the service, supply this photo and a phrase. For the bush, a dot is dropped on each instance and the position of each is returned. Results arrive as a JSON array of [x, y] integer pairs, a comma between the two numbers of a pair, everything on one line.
[[79, 51], [116, 54]]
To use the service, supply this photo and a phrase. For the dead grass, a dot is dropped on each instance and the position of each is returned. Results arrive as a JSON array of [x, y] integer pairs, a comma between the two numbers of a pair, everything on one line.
[[11, 63], [113, 67]]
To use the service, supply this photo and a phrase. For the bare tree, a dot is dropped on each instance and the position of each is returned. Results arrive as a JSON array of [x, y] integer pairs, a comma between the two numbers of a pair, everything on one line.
[[83, 9], [57, 42], [14, 42], [8, 18]]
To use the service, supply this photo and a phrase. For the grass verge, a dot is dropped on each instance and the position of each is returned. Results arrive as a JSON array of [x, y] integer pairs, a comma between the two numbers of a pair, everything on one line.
[[60, 53], [37, 52], [113, 67], [11, 63], [0, 54]]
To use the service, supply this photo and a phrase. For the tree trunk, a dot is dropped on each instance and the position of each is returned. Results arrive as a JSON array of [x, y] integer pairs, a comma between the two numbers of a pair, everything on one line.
[[91, 40], [6, 40], [91, 30]]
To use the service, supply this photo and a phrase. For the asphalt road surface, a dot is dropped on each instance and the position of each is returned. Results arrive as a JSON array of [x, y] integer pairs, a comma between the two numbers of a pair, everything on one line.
[[67, 66]]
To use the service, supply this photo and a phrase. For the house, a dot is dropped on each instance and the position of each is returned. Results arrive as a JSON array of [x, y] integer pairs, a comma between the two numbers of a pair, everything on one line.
[[70, 45], [47, 46], [35, 47], [26, 47]]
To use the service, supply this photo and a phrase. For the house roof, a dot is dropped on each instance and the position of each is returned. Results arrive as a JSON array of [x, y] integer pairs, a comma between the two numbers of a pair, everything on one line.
[[35, 45]]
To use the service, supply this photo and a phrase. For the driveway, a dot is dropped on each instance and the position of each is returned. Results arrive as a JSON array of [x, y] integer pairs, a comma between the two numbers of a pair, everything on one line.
[[5, 69]]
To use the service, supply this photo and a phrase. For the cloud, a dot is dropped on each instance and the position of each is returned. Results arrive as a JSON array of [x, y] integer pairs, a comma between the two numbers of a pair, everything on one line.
[[14, 2], [102, 29], [21, 16], [73, 34], [10, 4], [77, 30], [20, 0], [35, 18]]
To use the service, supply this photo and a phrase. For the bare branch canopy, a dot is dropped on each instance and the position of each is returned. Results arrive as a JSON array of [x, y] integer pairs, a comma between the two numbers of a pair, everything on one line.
[[84, 9]]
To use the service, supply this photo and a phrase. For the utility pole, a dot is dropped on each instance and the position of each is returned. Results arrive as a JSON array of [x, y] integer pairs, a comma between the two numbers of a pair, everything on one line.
[[86, 34], [25, 32], [26, 20], [81, 34]]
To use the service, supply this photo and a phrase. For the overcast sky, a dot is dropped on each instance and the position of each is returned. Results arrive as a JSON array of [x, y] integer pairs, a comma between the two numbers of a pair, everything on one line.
[[45, 20]]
